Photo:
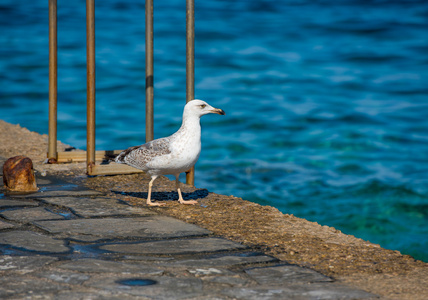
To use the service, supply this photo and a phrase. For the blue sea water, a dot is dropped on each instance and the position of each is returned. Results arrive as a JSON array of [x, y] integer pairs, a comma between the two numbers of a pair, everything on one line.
[[326, 101]]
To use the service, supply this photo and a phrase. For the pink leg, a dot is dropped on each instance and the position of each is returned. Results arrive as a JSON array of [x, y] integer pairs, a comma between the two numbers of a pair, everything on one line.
[[180, 197], [149, 202]]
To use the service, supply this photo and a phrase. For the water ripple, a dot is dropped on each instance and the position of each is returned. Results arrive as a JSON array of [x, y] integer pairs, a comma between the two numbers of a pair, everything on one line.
[[326, 102]]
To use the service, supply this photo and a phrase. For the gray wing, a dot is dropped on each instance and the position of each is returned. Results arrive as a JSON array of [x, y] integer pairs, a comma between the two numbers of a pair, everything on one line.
[[139, 156]]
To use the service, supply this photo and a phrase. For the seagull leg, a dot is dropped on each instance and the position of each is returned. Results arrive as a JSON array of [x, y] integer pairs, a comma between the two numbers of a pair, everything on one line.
[[149, 202], [180, 197]]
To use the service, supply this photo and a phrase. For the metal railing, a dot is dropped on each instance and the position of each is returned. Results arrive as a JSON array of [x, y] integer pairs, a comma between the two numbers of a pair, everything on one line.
[[149, 71], [90, 85], [91, 155], [190, 67], [52, 148]]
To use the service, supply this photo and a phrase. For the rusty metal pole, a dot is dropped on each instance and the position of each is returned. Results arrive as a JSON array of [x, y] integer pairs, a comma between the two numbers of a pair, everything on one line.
[[190, 67], [53, 66], [90, 81], [149, 71]]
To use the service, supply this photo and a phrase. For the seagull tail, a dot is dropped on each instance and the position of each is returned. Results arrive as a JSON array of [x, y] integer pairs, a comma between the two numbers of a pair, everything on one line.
[[120, 159]]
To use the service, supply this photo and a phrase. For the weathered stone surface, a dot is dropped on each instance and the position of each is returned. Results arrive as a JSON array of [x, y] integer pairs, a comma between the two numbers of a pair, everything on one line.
[[20, 287], [334, 291], [102, 266], [98, 207], [24, 264], [33, 241], [92, 294], [257, 293], [210, 271], [18, 174], [144, 227], [176, 246], [11, 203], [84, 238], [298, 292], [62, 193], [4, 225], [280, 275], [228, 281], [60, 276], [222, 261], [165, 287], [293, 282], [30, 214]]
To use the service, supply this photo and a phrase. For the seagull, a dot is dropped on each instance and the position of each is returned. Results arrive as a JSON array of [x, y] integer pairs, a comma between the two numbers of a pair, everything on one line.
[[174, 154]]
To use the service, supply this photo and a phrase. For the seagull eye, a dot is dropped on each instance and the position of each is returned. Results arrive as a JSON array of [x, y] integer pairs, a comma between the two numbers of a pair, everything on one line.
[[203, 106]]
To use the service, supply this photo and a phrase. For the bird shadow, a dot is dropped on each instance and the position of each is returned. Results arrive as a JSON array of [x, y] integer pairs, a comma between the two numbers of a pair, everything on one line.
[[166, 196]]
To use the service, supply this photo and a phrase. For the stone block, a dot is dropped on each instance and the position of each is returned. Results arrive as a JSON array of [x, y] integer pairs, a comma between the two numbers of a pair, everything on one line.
[[329, 291], [5, 225], [65, 277], [6, 203], [98, 206], [164, 287], [89, 265], [199, 245], [222, 261], [24, 264], [33, 241], [59, 193], [285, 274], [27, 215], [18, 287], [108, 228]]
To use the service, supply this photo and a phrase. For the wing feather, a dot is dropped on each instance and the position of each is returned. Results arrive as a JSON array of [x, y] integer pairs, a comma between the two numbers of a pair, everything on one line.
[[139, 156]]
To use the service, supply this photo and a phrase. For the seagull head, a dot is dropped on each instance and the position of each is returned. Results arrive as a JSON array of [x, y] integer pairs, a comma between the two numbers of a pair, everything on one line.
[[200, 108]]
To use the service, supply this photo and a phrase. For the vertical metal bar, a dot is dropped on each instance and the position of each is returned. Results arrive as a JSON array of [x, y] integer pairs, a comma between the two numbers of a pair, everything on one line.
[[149, 71], [190, 67], [90, 81], [190, 50], [52, 144]]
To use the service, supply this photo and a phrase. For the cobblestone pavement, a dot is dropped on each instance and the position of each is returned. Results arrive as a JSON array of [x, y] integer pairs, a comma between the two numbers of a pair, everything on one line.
[[69, 242]]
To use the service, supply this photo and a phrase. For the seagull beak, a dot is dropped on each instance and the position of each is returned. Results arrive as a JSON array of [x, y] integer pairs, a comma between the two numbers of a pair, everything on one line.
[[217, 111]]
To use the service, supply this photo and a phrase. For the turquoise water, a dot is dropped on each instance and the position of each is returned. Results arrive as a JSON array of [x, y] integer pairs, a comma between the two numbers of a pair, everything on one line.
[[326, 103]]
